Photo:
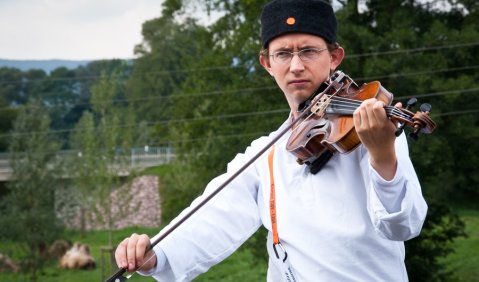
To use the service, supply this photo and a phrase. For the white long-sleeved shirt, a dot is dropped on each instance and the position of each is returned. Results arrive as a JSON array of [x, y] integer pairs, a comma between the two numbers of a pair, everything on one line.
[[344, 223]]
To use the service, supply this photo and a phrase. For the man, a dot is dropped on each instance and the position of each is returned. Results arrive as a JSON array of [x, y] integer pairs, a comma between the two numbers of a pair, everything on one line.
[[345, 223]]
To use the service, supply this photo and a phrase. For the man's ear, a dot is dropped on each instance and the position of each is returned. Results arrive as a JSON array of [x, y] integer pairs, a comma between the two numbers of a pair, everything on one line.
[[337, 57], [264, 61]]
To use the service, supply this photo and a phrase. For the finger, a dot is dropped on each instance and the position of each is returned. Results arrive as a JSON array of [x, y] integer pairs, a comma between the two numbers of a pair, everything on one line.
[[378, 112], [141, 248], [131, 252], [364, 116], [357, 118], [120, 254]]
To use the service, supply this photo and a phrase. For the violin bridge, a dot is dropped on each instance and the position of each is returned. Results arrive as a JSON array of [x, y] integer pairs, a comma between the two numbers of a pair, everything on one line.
[[319, 108]]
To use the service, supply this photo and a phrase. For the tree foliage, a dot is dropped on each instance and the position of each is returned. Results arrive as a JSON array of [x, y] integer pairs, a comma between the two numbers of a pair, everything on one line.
[[28, 208], [199, 87], [102, 139]]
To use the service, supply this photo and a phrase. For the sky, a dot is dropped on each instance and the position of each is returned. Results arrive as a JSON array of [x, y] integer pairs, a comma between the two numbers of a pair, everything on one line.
[[73, 29], [76, 29]]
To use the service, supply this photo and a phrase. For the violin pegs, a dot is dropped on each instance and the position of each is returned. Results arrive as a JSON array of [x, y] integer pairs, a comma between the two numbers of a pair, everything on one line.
[[411, 103], [425, 107], [413, 136]]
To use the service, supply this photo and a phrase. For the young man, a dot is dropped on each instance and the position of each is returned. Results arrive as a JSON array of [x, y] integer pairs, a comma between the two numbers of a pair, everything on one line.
[[345, 223]]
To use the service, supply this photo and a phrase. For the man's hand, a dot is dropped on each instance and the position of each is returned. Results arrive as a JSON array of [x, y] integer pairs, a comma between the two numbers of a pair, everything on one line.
[[132, 253], [376, 132]]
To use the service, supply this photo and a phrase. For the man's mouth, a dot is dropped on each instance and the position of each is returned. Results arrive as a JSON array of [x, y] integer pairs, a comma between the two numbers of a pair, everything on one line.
[[298, 82]]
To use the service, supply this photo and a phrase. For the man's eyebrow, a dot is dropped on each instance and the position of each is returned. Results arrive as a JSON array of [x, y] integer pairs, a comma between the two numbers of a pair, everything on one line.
[[289, 49], [310, 47], [283, 49]]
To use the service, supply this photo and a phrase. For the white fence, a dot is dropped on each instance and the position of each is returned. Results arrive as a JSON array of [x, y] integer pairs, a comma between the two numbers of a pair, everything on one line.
[[139, 158]]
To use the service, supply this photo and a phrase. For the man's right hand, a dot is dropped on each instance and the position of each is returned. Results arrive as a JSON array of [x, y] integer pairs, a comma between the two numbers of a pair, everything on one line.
[[133, 252]]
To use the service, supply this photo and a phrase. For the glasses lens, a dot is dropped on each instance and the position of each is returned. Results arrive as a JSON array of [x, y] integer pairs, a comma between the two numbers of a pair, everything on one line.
[[309, 54], [282, 56]]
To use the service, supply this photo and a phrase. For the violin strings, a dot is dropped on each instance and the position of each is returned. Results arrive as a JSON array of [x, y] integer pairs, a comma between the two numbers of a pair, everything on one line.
[[348, 104], [351, 105]]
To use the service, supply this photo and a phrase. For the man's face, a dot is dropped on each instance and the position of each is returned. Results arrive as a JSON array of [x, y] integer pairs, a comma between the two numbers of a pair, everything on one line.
[[299, 79]]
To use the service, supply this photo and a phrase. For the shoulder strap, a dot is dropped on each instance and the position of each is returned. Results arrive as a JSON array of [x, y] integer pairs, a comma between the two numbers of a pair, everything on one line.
[[272, 198]]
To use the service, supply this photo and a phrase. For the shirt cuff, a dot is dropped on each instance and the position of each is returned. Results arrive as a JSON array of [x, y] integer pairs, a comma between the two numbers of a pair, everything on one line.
[[160, 263], [390, 192]]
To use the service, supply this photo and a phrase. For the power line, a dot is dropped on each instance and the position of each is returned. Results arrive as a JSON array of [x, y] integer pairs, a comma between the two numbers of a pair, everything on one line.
[[456, 113], [237, 115], [214, 68], [411, 50], [221, 92], [225, 116], [397, 75], [452, 113]]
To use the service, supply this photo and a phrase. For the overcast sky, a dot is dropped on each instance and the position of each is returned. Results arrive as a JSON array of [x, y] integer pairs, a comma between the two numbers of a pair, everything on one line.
[[73, 29]]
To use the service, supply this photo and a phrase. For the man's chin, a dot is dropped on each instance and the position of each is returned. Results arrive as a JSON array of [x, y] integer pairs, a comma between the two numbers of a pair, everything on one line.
[[302, 96]]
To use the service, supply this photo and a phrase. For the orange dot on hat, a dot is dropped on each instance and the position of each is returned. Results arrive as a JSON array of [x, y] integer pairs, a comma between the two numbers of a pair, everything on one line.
[[290, 20]]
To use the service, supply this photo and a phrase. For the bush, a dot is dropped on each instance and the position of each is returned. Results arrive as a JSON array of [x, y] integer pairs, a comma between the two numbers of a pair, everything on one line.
[[423, 253]]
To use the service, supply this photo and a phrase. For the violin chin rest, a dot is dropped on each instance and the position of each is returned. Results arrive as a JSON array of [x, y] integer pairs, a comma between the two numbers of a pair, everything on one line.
[[320, 162]]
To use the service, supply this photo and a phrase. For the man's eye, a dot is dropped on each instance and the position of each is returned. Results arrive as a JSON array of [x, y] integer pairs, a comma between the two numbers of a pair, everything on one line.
[[282, 55], [309, 52]]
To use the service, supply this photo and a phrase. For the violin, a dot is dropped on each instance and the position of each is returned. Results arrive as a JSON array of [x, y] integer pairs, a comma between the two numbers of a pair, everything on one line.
[[328, 127]]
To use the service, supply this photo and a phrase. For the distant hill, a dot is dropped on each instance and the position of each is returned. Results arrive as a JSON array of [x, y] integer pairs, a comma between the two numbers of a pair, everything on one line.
[[46, 65]]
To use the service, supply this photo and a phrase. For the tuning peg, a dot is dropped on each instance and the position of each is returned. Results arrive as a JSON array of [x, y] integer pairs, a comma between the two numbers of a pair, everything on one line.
[[411, 103], [425, 107], [413, 136]]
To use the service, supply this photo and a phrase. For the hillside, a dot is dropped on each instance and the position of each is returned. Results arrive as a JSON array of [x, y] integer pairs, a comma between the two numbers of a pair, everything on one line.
[[46, 65]]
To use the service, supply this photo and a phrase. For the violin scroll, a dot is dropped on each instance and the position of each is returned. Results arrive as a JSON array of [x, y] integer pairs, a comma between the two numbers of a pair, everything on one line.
[[420, 121]]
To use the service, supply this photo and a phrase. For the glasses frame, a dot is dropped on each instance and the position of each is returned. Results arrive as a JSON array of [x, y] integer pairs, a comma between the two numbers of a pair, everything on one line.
[[319, 50]]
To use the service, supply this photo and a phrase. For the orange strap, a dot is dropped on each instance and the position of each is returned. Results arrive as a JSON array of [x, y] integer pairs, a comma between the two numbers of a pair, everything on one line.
[[272, 198]]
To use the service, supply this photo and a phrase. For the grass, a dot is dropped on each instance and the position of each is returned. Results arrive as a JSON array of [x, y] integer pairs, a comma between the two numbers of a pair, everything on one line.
[[241, 266], [464, 262]]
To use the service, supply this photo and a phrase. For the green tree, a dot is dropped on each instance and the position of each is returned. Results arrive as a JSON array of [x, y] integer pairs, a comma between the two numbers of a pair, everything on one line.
[[11, 87], [87, 166], [423, 253], [28, 208], [7, 117]]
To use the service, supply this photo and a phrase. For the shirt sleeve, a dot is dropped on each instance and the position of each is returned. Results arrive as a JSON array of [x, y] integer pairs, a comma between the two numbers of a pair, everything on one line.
[[161, 263], [397, 207], [216, 230]]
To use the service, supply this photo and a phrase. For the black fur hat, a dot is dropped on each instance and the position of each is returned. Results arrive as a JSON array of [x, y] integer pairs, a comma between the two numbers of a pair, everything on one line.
[[305, 16]]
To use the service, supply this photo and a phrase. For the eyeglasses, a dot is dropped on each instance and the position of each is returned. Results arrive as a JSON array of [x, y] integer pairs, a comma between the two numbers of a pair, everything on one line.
[[306, 55]]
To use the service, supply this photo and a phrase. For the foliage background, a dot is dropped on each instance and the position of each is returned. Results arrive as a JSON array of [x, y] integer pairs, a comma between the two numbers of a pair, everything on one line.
[[201, 90]]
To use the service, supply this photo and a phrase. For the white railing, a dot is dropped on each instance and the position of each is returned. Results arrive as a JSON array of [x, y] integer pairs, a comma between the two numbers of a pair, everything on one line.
[[138, 158], [151, 156]]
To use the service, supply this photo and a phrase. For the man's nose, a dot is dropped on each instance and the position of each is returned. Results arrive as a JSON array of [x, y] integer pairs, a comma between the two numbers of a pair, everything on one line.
[[296, 64]]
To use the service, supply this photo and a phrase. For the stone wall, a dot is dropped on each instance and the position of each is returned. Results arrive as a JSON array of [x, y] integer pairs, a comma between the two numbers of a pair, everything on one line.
[[135, 204]]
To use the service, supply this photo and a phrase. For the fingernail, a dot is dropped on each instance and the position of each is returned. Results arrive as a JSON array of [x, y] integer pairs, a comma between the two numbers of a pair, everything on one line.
[[131, 266]]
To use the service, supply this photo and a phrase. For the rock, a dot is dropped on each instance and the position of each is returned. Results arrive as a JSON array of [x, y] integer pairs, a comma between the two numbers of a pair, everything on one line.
[[78, 257]]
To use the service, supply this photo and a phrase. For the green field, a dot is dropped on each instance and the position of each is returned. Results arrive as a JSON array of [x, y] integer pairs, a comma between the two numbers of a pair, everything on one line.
[[242, 266], [464, 262]]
